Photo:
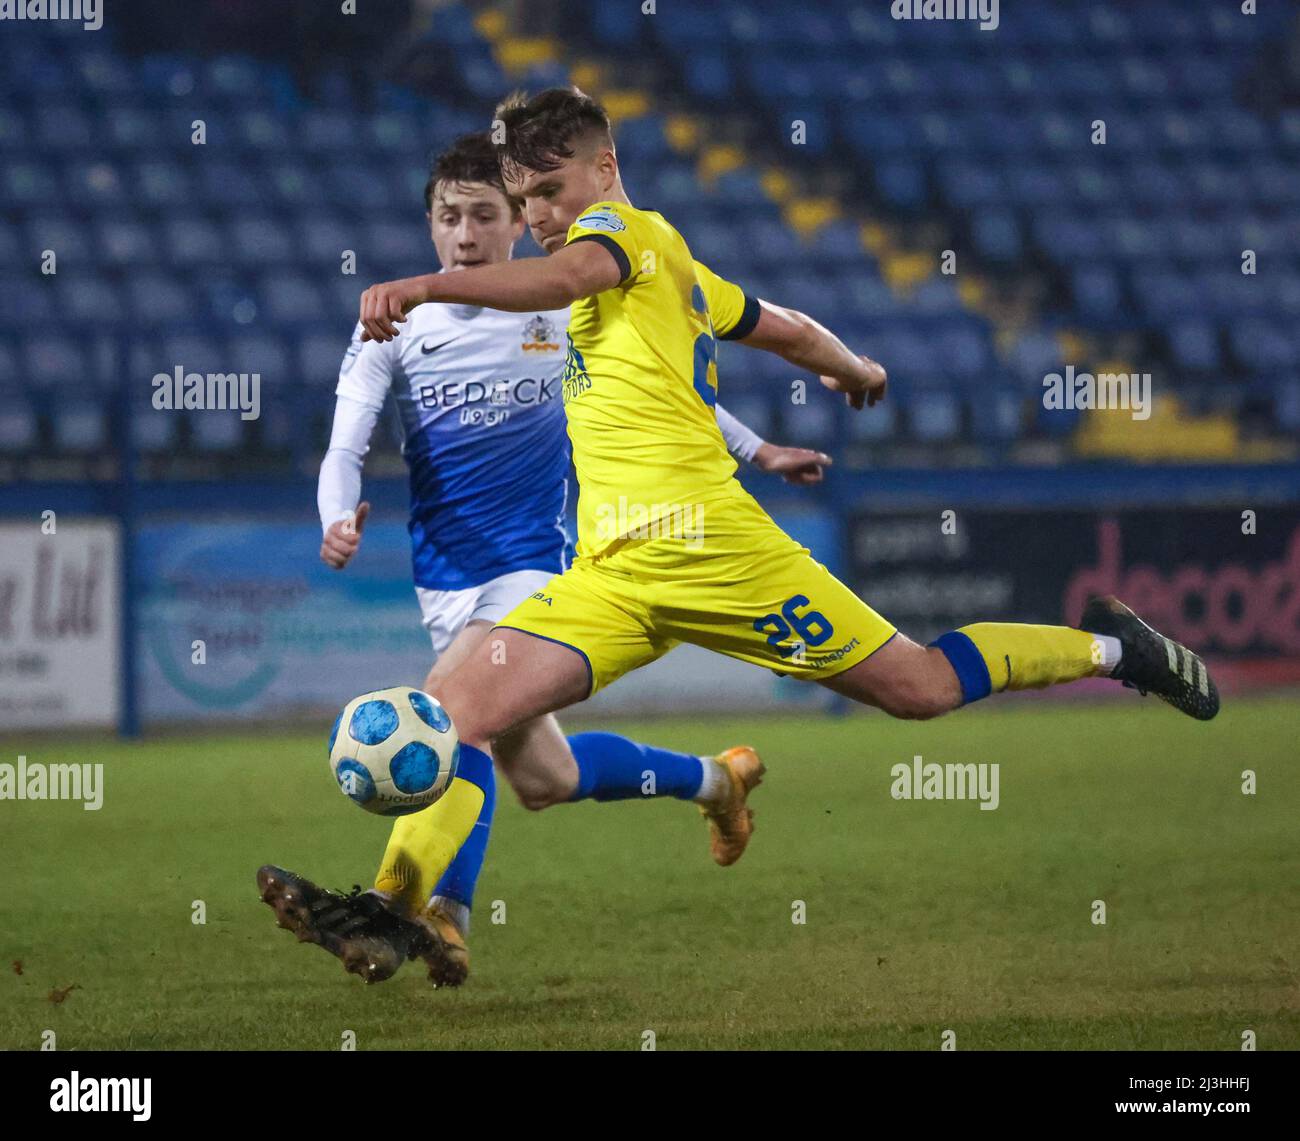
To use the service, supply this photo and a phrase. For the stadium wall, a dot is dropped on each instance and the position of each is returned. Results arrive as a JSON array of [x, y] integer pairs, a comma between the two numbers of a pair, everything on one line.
[[234, 616]]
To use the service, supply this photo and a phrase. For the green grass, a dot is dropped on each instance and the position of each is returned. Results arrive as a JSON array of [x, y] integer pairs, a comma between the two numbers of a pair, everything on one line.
[[921, 916]]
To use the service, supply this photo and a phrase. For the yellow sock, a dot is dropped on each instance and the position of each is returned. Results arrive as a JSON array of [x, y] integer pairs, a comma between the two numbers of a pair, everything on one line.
[[424, 843], [989, 657]]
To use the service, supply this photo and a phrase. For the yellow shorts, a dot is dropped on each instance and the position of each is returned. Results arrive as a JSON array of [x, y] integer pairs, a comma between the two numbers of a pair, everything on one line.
[[744, 589]]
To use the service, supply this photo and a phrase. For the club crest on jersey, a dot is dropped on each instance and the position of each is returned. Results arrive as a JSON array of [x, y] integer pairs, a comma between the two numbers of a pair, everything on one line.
[[539, 336], [606, 221]]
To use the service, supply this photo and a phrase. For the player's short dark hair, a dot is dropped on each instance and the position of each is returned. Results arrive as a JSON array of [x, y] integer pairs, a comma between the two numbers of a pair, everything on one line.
[[471, 158], [540, 132]]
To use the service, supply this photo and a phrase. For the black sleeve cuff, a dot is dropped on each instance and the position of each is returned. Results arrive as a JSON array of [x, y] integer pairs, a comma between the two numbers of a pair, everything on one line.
[[624, 266], [748, 319]]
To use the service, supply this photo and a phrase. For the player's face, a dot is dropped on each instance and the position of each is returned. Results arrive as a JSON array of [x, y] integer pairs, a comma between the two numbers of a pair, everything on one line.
[[472, 224], [552, 200]]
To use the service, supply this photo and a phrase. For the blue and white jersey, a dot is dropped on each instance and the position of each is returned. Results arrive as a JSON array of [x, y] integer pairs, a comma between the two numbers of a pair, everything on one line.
[[484, 436]]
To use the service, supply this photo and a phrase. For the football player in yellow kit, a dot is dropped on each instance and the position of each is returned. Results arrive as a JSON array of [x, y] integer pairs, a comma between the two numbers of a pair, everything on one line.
[[671, 547]]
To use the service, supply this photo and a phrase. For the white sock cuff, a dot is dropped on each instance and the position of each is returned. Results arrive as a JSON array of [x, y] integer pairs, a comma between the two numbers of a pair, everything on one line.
[[716, 783]]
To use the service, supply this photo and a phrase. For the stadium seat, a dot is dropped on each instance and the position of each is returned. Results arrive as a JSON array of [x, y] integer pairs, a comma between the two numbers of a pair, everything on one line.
[[54, 361], [156, 300], [90, 298], [80, 424], [192, 240], [258, 241], [19, 431], [320, 355], [127, 244], [217, 431]]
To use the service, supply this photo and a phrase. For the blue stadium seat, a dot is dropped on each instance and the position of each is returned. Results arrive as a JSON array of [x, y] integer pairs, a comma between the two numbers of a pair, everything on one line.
[[1032, 357], [190, 240], [971, 184], [996, 236], [63, 128], [393, 132], [1098, 293], [964, 353], [192, 352], [87, 298], [838, 245], [97, 183], [154, 430], [996, 413], [27, 183], [875, 424], [135, 129], [63, 235], [814, 423], [11, 374], [320, 355], [288, 296], [933, 414], [1265, 347], [162, 182], [770, 243], [233, 80], [13, 130], [19, 431], [391, 243], [322, 238], [357, 190], [260, 130], [54, 361], [217, 431], [126, 243], [167, 75], [230, 187], [259, 240], [478, 72], [155, 299], [264, 354], [1286, 403], [80, 423], [616, 25], [1194, 344], [29, 299], [868, 296], [104, 74]]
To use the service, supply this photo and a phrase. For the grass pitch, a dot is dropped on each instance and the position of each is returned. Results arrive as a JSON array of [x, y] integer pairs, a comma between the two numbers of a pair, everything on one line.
[[921, 916]]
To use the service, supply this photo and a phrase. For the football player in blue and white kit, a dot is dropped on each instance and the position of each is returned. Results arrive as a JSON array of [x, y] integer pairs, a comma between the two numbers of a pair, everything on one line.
[[478, 397]]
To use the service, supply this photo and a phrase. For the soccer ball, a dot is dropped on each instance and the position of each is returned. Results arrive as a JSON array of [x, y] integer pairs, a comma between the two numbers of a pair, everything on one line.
[[394, 751]]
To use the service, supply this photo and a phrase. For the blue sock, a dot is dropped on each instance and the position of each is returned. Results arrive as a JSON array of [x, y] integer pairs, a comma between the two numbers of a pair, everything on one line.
[[458, 880], [611, 767]]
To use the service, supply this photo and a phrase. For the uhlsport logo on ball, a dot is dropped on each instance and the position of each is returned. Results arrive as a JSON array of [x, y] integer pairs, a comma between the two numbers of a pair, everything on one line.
[[394, 751]]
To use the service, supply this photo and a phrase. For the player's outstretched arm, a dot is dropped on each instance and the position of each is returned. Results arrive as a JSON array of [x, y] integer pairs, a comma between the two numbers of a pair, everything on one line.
[[572, 272], [797, 338]]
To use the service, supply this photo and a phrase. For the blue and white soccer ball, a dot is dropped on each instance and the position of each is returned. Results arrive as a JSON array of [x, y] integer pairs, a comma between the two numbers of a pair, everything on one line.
[[394, 751]]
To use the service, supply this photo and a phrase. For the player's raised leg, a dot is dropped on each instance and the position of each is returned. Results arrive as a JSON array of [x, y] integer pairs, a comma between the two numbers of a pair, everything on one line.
[[965, 665]]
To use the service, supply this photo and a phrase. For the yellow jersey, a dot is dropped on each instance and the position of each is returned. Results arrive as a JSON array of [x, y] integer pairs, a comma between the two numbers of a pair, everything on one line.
[[641, 381]]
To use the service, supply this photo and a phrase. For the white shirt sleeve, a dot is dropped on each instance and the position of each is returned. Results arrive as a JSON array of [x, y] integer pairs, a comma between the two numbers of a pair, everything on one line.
[[741, 441], [364, 380]]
